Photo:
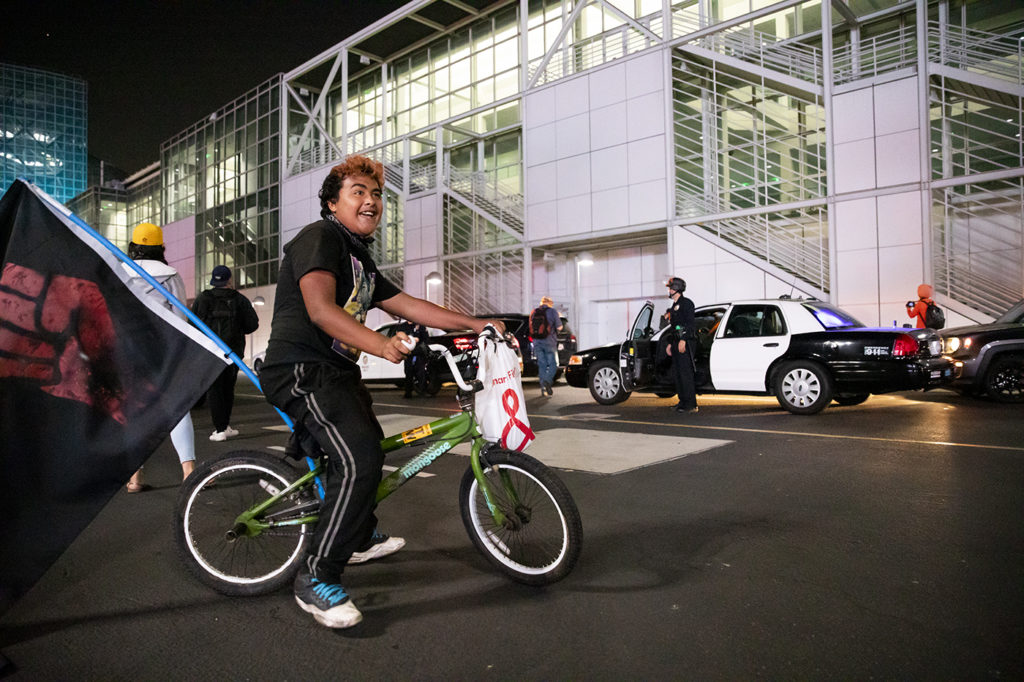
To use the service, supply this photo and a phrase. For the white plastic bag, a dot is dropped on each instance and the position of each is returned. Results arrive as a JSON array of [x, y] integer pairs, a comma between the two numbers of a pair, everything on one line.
[[501, 406]]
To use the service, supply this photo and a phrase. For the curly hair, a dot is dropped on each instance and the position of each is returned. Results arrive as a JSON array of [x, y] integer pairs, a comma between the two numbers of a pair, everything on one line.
[[353, 165]]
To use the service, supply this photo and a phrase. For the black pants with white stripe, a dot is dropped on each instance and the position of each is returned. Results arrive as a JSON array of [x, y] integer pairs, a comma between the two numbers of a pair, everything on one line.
[[334, 406]]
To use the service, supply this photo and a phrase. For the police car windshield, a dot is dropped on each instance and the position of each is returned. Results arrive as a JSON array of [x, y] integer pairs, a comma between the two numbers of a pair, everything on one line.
[[831, 317]]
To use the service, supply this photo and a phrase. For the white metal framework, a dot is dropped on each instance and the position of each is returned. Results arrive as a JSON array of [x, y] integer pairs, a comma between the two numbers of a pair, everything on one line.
[[436, 91]]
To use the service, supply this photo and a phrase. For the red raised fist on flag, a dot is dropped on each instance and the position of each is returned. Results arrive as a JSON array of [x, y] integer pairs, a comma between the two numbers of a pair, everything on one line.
[[57, 331]]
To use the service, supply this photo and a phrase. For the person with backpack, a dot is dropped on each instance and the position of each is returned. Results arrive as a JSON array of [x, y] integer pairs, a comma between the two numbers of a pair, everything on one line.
[[924, 309], [231, 316], [544, 325]]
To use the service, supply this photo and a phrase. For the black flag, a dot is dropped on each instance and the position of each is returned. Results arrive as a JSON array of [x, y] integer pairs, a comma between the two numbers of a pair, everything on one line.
[[93, 377]]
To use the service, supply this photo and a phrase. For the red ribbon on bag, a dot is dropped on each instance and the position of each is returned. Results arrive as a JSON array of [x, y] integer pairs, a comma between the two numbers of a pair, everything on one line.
[[510, 403]]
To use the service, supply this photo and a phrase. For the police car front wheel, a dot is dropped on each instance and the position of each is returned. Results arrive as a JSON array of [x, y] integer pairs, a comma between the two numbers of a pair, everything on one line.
[[606, 384]]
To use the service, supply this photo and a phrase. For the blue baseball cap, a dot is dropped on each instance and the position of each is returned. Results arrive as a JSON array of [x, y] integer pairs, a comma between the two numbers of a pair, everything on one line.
[[221, 275]]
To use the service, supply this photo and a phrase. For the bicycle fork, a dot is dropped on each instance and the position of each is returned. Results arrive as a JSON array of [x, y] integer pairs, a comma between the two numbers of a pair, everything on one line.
[[485, 488]]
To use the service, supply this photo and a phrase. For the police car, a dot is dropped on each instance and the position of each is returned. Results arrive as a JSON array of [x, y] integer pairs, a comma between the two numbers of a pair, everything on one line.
[[377, 370], [805, 352]]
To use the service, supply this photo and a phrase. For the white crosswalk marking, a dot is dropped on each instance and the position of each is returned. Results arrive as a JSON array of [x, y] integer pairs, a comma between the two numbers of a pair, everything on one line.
[[599, 452]]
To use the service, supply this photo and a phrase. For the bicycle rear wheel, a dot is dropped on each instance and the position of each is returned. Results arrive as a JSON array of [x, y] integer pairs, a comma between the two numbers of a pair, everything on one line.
[[242, 561], [542, 535]]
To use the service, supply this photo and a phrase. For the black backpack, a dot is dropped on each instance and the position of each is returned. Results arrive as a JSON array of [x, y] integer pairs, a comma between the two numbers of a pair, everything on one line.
[[934, 318], [539, 328], [221, 318]]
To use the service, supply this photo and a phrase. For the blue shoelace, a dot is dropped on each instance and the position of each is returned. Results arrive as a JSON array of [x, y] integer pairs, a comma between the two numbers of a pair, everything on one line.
[[332, 594]]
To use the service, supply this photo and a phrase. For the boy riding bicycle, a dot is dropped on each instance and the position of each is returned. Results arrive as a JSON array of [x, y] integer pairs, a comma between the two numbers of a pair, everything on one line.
[[327, 283]]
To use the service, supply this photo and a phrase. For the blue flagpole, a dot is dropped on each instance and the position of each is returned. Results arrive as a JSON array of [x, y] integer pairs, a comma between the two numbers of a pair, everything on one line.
[[123, 257]]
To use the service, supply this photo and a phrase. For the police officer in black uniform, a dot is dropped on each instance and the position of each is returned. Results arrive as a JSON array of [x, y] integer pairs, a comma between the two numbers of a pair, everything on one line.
[[682, 334]]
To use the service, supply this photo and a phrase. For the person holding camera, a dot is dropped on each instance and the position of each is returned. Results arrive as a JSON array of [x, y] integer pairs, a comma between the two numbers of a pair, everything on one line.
[[919, 308]]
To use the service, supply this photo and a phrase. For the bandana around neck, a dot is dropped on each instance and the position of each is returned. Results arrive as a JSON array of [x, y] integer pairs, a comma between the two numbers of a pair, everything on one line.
[[355, 238]]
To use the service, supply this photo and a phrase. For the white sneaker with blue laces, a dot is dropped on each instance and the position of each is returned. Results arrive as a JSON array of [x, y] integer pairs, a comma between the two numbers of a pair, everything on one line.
[[329, 604], [380, 546]]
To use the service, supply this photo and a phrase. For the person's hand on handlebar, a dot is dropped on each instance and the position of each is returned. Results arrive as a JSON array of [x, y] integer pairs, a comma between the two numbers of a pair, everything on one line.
[[497, 324], [397, 347]]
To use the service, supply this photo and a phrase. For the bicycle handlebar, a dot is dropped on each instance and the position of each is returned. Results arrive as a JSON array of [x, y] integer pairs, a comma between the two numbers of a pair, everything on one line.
[[491, 331], [456, 374]]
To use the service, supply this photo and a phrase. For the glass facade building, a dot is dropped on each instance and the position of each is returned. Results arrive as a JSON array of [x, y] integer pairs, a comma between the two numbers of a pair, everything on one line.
[[225, 171], [105, 210], [43, 130], [114, 208], [732, 142]]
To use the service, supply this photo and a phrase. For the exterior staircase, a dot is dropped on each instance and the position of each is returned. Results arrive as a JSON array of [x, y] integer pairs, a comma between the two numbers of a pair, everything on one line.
[[977, 103]]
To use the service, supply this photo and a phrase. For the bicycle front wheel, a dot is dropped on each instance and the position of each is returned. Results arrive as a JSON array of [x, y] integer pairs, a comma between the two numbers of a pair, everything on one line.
[[542, 534], [242, 560]]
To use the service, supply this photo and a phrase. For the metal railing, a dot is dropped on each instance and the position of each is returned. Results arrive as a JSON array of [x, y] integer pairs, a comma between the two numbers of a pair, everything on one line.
[[422, 177], [599, 49], [756, 47], [972, 134], [495, 196], [991, 54], [777, 161], [977, 242], [796, 243], [485, 283], [466, 230], [314, 156], [889, 51]]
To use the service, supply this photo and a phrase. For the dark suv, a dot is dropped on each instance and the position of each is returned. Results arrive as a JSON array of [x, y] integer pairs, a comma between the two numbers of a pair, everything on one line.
[[990, 356], [519, 325], [462, 345]]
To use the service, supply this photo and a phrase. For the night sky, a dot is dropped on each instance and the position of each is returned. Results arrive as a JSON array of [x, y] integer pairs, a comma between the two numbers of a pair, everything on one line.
[[156, 67]]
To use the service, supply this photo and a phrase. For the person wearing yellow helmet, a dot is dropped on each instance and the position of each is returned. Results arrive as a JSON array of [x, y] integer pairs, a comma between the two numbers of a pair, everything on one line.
[[147, 249]]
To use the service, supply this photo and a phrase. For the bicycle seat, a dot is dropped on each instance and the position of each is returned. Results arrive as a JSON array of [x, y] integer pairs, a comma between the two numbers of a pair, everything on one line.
[[302, 444]]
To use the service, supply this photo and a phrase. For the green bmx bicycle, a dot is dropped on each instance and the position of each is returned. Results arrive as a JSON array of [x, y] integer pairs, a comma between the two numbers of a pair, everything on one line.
[[243, 521]]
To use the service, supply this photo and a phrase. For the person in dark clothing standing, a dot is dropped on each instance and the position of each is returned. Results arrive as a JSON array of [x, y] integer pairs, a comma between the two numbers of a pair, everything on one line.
[[327, 283], [230, 315], [416, 360], [683, 333]]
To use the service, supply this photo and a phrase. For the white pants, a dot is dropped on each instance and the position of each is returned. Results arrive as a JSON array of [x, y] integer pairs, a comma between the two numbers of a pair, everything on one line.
[[184, 439]]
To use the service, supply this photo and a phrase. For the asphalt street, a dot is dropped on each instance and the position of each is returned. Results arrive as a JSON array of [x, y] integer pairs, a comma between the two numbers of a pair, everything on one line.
[[883, 541]]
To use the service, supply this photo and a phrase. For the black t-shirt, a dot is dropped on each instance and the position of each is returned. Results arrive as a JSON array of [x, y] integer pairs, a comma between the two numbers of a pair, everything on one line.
[[323, 245]]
